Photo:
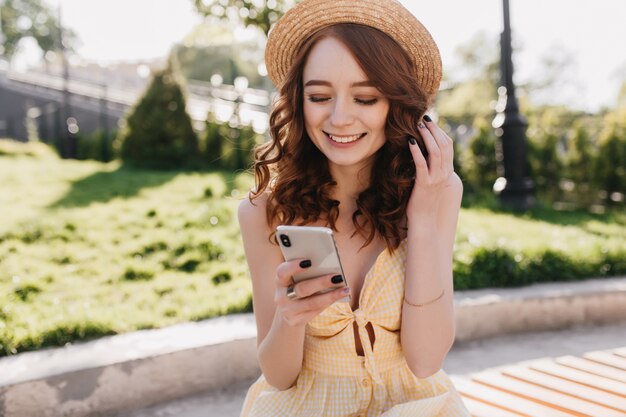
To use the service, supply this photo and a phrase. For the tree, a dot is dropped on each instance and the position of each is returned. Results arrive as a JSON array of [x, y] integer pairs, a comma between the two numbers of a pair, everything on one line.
[[158, 131], [554, 77], [212, 48], [211, 146], [579, 163], [473, 84], [30, 18], [546, 135], [480, 163], [261, 13], [610, 166]]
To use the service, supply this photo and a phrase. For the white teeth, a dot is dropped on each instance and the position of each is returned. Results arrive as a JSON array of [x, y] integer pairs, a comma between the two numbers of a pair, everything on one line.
[[344, 139]]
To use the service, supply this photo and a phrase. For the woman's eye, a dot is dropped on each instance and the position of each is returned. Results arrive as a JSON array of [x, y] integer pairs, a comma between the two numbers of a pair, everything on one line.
[[317, 99], [366, 102]]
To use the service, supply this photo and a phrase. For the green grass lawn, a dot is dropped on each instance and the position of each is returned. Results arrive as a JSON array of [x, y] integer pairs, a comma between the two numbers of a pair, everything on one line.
[[88, 249]]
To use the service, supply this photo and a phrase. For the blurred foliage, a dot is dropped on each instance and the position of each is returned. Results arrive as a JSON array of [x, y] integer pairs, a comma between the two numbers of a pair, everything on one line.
[[260, 13], [473, 94], [212, 48], [466, 101], [97, 146], [31, 18], [480, 160], [546, 149], [158, 131], [576, 160], [226, 147], [610, 165], [499, 267]]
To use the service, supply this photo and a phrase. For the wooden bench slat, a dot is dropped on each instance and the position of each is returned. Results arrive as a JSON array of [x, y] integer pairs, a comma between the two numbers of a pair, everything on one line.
[[564, 386], [592, 367], [480, 409], [578, 376], [607, 358], [504, 400], [545, 396]]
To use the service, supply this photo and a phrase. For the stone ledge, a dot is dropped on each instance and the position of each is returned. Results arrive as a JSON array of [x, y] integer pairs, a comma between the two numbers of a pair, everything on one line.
[[138, 369], [549, 306]]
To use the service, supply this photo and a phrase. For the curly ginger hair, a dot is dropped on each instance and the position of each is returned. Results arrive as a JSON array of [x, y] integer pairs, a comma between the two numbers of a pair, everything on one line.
[[296, 172]]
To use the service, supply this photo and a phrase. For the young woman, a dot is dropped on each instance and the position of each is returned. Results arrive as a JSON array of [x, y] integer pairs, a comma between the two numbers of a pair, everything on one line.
[[353, 150]]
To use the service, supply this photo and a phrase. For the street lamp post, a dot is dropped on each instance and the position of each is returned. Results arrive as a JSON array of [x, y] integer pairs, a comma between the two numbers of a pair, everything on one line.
[[514, 186]]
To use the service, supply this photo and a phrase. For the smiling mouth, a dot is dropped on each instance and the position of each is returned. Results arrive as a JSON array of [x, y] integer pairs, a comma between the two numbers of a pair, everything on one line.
[[344, 139]]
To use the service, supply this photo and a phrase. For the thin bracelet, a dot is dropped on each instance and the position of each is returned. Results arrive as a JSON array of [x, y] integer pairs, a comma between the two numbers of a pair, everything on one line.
[[426, 303]]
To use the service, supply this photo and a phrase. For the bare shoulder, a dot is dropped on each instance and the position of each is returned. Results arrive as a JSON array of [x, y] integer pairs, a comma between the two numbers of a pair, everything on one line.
[[255, 231], [252, 213]]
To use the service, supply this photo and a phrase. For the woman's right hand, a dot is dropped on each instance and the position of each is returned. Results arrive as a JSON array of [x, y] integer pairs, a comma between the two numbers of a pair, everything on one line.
[[308, 304]]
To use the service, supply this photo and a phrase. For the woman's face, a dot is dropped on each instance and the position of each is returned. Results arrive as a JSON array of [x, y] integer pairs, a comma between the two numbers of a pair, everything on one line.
[[344, 114]]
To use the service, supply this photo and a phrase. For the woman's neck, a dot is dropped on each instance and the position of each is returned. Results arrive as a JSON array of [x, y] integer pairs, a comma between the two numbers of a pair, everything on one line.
[[351, 181]]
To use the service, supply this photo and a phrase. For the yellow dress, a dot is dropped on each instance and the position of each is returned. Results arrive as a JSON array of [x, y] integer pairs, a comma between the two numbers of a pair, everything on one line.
[[336, 381]]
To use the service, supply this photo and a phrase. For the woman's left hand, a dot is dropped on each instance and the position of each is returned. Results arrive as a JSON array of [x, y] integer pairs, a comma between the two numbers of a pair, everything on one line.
[[432, 176]]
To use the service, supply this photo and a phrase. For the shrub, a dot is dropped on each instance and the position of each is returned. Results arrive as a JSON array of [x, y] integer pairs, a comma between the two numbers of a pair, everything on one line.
[[480, 162], [555, 266], [498, 267], [158, 132], [211, 145], [227, 147], [579, 162], [96, 146], [610, 164], [488, 268], [546, 166]]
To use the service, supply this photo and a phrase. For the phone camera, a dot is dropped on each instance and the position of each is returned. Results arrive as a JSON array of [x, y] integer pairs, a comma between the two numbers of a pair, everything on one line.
[[285, 240]]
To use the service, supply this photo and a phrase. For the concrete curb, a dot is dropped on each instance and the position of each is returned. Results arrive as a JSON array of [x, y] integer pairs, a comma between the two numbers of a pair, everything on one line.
[[142, 368]]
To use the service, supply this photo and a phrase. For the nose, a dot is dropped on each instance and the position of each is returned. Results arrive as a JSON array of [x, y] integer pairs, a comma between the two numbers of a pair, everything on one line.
[[342, 113]]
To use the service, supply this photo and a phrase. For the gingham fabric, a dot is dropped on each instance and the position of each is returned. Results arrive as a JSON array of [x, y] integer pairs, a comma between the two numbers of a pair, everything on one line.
[[336, 381]]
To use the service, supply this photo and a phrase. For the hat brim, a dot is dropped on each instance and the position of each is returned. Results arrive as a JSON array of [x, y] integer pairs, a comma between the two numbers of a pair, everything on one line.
[[388, 16]]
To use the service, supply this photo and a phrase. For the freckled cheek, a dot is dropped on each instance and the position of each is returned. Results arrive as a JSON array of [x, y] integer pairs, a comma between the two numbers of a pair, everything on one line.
[[377, 120], [313, 116]]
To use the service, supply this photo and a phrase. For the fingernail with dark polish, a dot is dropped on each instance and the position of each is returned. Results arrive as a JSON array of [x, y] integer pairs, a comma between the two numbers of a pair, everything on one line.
[[336, 279], [427, 118], [305, 264], [412, 141]]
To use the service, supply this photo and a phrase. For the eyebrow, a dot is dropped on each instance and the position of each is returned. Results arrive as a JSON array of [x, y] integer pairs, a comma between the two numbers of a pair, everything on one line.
[[328, 84]]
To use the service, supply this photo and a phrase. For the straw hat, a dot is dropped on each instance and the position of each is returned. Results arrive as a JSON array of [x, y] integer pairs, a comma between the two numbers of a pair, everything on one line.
[[388, 16]]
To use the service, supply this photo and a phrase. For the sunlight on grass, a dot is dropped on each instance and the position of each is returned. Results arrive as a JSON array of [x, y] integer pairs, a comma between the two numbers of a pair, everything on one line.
[[88, 249], [115, 257]]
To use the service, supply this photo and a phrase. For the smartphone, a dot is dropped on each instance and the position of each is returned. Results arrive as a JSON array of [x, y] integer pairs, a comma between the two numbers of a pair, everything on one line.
[[314, 243]]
